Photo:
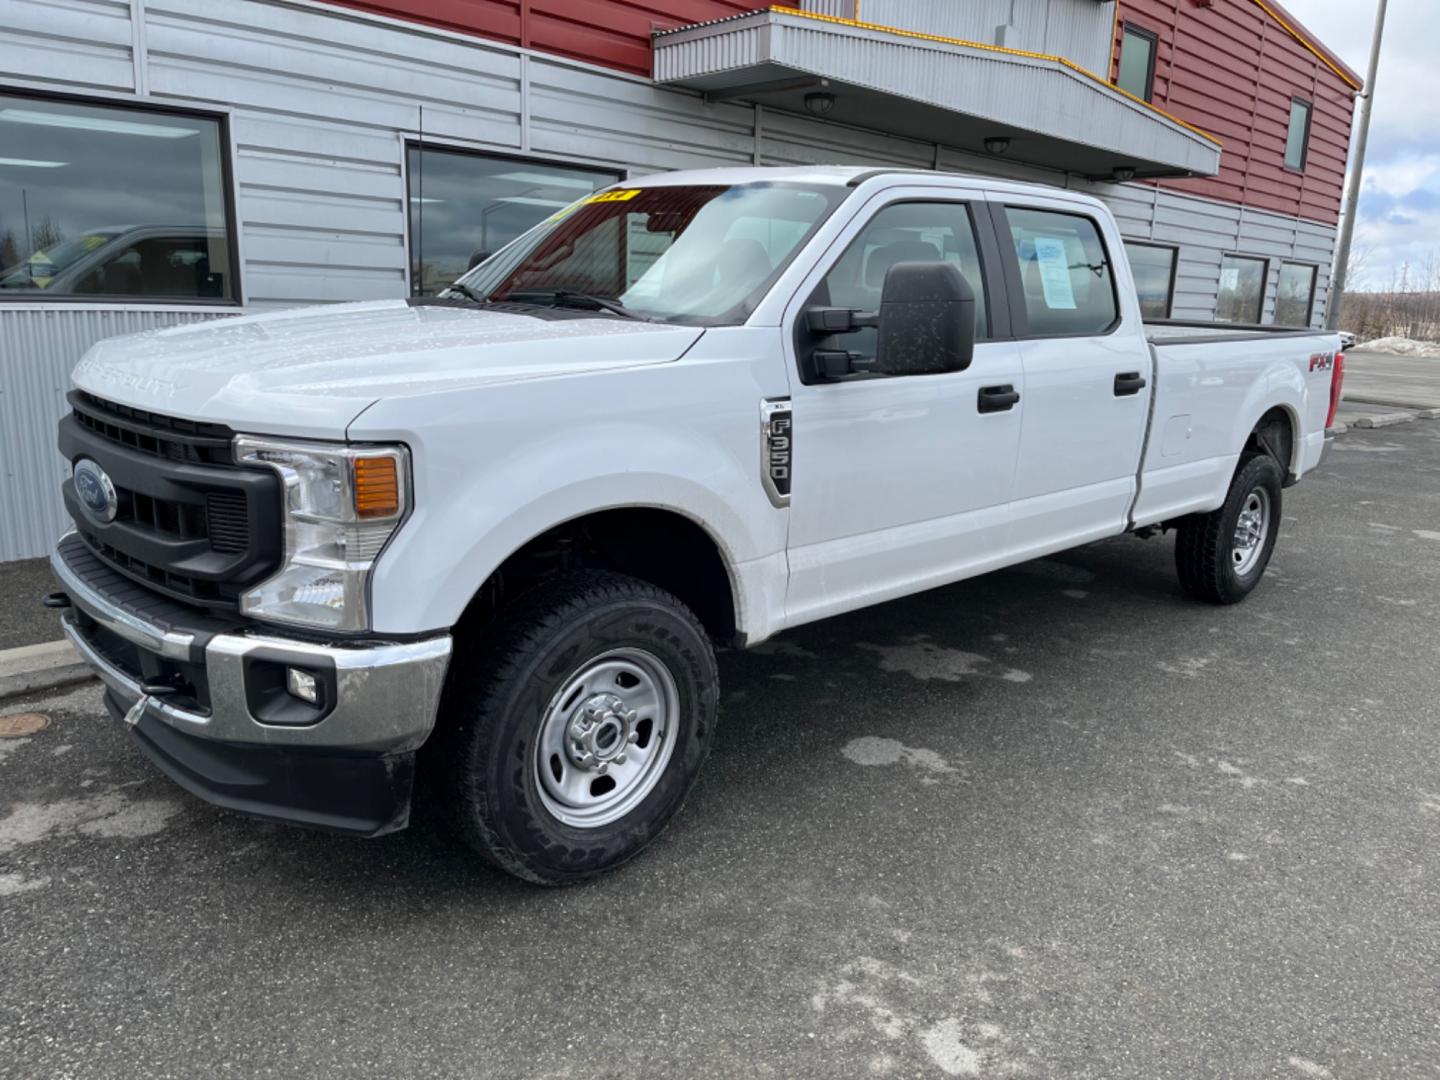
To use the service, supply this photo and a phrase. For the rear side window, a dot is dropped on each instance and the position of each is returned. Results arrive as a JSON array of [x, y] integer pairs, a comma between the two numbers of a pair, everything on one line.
[[1065, 274]]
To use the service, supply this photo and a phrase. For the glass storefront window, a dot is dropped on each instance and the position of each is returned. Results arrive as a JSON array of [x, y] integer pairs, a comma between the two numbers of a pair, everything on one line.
[[1296, 295], [1153, 268], [103, 202], [464, 207], [1242, 289]]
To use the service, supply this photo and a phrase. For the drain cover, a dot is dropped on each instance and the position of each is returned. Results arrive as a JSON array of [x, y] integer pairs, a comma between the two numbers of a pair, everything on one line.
[[21, 724]]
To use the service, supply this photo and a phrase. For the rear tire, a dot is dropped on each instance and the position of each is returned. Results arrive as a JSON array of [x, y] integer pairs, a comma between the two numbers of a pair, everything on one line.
[[572, 729], [1221, 556]]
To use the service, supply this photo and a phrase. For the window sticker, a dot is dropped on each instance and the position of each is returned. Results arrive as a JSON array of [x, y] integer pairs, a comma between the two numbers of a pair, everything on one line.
[[1055, 273], [614, 196]]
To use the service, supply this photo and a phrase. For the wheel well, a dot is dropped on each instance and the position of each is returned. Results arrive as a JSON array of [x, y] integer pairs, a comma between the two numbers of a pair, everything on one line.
[[1274, 434], [659, 546]]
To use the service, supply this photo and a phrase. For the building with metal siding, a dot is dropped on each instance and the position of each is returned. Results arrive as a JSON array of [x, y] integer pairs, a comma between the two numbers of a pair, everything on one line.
[[1233, 67], [318, 102]]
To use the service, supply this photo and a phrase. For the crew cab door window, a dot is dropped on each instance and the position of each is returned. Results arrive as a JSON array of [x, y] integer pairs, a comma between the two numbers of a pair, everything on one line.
[[1068, 286], [903, 232]]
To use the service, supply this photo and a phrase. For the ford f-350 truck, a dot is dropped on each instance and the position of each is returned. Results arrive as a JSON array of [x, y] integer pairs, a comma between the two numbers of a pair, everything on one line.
[[484, 543]]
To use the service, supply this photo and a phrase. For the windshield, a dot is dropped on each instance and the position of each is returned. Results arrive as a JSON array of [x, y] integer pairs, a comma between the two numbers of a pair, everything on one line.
[[699, 254]]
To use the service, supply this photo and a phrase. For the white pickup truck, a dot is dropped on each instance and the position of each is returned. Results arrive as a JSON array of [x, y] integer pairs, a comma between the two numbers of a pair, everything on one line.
[[488, 539]]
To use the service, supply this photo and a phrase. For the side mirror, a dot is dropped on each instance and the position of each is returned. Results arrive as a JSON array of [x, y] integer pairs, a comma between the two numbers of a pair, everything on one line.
[[927, 320]]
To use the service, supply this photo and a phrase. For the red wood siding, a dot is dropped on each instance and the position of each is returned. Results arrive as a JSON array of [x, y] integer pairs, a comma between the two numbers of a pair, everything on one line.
[[615, 33], [1232, 69]]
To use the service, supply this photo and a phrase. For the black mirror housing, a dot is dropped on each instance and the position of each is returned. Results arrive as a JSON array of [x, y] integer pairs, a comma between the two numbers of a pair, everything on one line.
[[927, 320]]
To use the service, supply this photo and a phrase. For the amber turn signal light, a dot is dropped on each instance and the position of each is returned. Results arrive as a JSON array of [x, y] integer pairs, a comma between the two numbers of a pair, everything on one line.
[[377, 487]]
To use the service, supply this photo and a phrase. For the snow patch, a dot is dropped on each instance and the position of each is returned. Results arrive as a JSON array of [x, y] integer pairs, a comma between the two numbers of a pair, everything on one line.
[[948, 1051], [925, 660], [871, 750], [108, 814]]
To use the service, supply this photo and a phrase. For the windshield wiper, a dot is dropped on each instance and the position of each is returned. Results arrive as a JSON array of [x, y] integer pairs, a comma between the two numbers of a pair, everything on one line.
[[466, 291], [572, 298]]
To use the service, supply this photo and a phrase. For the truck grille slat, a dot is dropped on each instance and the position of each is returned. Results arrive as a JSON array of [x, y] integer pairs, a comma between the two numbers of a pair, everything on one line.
[[190, 523]]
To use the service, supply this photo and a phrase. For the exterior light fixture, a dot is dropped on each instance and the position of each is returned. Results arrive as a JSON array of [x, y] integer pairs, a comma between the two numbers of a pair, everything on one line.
[[1123, 173], [997, 144], [819, 104]]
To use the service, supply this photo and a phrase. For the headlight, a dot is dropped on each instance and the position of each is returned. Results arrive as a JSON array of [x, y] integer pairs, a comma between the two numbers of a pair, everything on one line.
[[342, 504]]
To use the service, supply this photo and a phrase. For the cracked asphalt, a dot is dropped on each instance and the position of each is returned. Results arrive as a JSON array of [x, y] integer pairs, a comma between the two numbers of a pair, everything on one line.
[[1055, 822]]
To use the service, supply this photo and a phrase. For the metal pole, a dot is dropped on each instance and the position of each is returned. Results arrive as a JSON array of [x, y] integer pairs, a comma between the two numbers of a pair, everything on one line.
[[1352, 194]]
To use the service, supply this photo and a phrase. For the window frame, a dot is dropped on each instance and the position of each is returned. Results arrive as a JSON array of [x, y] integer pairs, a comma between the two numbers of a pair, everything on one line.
[[1015, 284], [1128, 27], [1314, 269], [1304, 138], [1264, 262], [444, 146], [221, 117], [1174, 250], [994, 278]]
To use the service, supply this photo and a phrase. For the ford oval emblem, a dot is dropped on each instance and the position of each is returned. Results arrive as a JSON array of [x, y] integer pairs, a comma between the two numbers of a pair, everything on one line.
[[97, 493]]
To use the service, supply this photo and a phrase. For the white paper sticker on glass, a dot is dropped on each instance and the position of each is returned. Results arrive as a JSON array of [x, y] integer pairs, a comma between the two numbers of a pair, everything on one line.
[[1055, 273]]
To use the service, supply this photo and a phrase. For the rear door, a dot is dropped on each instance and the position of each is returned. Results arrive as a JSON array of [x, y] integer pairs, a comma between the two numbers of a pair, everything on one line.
[[1087, 372], [901, 482]]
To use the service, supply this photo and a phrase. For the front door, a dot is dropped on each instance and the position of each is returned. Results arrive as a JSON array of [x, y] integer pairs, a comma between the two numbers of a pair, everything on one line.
[[902, 482]]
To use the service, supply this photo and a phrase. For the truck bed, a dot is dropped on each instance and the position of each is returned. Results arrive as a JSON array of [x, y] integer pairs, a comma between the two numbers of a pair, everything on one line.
[[1198, 331]]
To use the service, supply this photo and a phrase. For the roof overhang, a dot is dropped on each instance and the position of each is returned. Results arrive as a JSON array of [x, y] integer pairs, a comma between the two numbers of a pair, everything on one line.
[[943, 90]]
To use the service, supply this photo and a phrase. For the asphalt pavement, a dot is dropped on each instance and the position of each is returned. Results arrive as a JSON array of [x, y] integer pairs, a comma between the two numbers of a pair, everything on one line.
[[1058, 821], [1382, 379]]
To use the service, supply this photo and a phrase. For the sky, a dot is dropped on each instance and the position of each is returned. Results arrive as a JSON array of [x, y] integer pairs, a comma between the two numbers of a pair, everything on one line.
[[1399, 218]]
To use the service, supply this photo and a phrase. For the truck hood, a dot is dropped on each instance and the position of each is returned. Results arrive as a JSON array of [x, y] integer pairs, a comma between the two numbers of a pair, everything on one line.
[[311, 371]]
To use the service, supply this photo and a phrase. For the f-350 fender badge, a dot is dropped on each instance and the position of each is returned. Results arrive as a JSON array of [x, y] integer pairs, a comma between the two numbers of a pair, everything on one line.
[[777, 446]]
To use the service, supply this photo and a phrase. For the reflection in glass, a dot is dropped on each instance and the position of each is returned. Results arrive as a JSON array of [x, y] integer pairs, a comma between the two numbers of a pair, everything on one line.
[[1153, 268], [1242, 289], [99, 201], [1296, 295]]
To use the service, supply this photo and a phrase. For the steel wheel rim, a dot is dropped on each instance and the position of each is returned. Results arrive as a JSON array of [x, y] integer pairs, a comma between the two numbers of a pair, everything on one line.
[[1251, 529], [606, 737]]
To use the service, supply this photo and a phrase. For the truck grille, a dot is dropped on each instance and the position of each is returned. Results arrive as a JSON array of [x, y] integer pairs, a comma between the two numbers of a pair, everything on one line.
[[190, 523]]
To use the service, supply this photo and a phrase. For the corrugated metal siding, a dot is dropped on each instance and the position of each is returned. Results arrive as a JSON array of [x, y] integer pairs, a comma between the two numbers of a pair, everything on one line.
[[53, 39], [1232, 70], [38, 349], [1078, 30]]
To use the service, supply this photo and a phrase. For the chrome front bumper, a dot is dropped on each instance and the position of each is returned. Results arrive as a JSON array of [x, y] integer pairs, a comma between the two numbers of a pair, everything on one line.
[[386, 694]]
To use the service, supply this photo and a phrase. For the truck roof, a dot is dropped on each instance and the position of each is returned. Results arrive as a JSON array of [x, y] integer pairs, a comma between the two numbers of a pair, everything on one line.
[[842, 176]]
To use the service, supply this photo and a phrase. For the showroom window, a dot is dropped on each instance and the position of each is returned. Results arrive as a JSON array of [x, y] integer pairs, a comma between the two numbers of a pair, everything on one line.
[[105, 203], [1153, 268], [1297, 137], [1295, 298], [1137, 62], [1241, 296], [465, 207]]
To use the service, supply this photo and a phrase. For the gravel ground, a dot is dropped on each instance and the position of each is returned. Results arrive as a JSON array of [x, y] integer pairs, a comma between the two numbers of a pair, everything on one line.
[[1055, 822]]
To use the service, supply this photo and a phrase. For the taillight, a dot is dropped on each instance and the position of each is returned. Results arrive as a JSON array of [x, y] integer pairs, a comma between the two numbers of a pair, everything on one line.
[[1337, 382]]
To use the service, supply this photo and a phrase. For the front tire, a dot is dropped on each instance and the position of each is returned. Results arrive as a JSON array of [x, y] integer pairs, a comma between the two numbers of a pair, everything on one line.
[[1221, 556], [573, 728]]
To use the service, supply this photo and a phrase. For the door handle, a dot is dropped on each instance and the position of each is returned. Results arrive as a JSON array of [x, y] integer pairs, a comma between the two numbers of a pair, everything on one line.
[[997, 398], [1129, 382]]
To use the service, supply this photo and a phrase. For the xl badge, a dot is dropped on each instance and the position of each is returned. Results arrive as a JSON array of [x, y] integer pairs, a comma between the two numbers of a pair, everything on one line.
[[97, 493]]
